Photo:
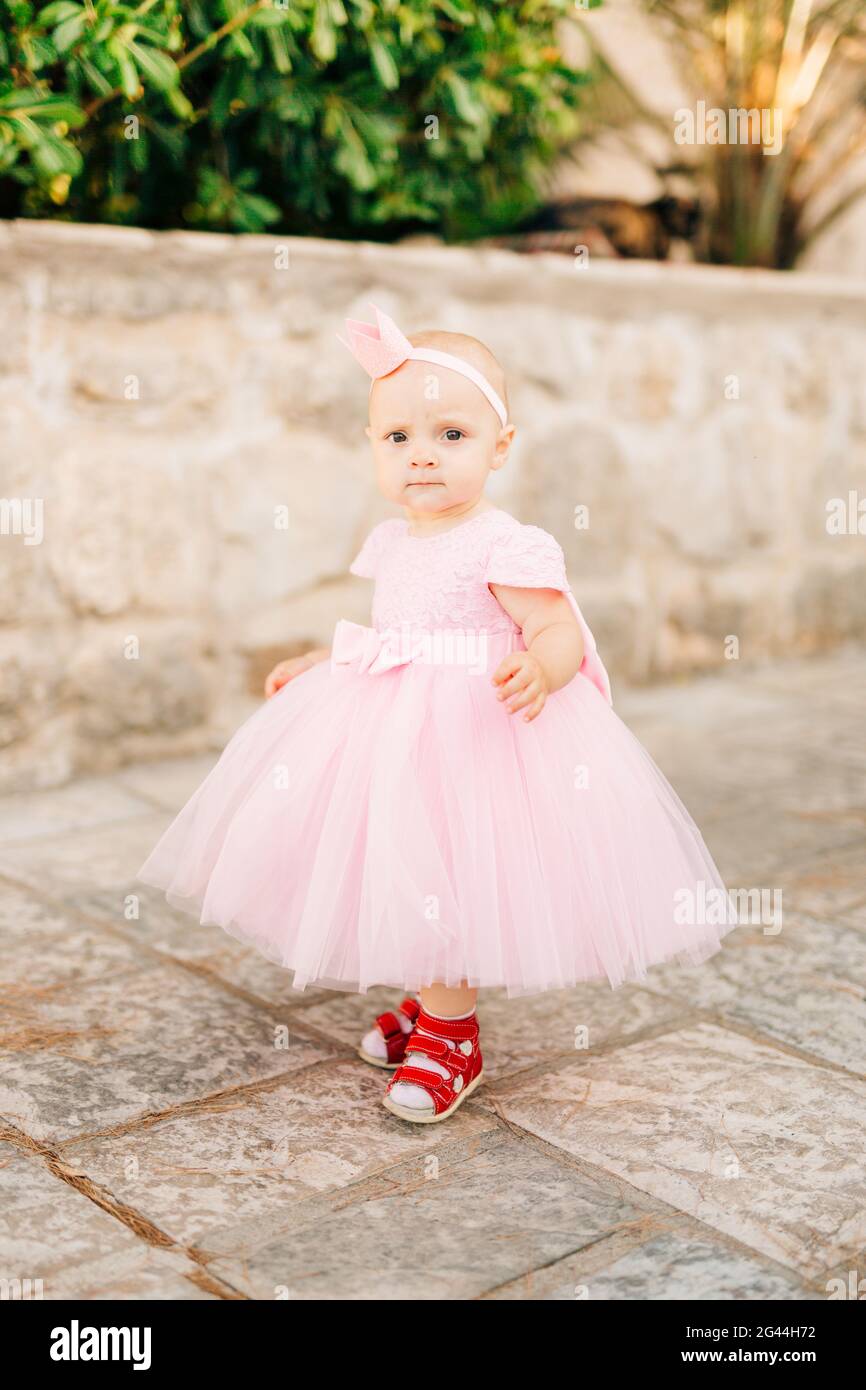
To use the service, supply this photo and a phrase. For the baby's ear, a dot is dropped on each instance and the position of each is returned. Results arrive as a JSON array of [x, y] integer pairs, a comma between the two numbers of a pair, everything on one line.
[[367, 431]]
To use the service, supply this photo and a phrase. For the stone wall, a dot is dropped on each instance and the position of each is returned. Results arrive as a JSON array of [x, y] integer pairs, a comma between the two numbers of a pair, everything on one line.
[[163, 395]]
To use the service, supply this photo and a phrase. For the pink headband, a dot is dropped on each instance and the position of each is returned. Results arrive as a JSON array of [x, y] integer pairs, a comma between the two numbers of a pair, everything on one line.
[[382, 348]]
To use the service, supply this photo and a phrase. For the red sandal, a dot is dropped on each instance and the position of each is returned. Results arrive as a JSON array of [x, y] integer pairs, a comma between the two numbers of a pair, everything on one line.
[[395, 1037], [453, 1043]]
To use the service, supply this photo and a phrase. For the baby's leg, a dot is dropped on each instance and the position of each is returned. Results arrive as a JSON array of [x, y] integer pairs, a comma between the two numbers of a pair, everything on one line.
[[443, 1002]]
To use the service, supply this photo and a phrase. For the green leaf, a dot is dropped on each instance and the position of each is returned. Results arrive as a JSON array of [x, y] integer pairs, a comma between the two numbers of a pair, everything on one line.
[[279, 47], [180, 104], [456, 12], [56, 14], [258, 208], [42, 53], [352, 160], [238, 43], [52, 156], [98, 81], [126, 68], [467, 106], [384, 64], [156, 37], [269, 19], [224, 94], [162, 70], [42, 107], [323, 39], [69, 32], [209, 185]]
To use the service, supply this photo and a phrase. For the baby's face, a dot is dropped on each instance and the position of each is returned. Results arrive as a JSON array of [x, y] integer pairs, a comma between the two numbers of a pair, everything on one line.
[[435, 438]]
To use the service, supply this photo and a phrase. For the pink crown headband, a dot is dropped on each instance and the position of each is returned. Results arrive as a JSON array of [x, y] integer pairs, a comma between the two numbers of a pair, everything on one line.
[[382, 347]]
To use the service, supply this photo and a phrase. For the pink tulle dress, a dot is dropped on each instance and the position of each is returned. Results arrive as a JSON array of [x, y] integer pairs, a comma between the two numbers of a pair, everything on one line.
[[383, 820]]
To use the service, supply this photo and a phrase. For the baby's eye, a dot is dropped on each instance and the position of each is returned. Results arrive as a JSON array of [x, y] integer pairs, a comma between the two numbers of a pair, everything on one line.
[[459, 433], [394, 435]]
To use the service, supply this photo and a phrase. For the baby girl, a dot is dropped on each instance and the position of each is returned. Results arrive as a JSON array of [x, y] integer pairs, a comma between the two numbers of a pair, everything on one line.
[[445, 800]]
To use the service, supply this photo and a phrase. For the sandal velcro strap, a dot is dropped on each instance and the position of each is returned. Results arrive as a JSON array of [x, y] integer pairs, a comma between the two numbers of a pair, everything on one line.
[[388, 1025], [457, 1029], [454, 1059], [439, 1088], [433, 1047], [411, 1008], [419, 1076], [395, 1037]]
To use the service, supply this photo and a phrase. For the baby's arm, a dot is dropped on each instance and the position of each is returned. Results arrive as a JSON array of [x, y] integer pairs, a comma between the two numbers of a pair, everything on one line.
[[284, 671], [554, 645]]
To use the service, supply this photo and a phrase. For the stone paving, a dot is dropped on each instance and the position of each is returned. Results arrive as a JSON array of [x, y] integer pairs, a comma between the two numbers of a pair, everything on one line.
[[177, 1123]]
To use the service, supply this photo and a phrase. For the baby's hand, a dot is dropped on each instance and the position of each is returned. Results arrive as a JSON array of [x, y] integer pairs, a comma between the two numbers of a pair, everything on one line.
[[284, 671], [521, 674]]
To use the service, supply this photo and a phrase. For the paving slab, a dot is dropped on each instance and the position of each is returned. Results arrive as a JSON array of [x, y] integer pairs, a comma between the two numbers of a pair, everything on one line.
[[483, 1215], [52, 1233], [169, 782], [674, 1266], [829, 884], [753, 1142], [854, 916], [230, 1175], [47, 948], [117, 1048], [805, 987], [74, 864], [752, 846], [140, 914], [89, 802]]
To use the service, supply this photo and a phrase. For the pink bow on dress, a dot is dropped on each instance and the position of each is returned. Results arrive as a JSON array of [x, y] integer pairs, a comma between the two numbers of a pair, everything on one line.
[[374, 651]]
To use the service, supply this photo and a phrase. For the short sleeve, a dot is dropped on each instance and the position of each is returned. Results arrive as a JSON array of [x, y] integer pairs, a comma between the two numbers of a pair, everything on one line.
[[531, 558], [366, 561], [527, 558]]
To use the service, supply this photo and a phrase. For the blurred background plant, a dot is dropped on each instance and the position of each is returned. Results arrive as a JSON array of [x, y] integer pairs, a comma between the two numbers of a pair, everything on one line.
[[345, 118], [806, 58]]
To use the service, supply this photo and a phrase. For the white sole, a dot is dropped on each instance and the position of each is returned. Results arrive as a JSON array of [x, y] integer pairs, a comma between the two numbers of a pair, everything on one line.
[[421, 1117], [378, 1061]]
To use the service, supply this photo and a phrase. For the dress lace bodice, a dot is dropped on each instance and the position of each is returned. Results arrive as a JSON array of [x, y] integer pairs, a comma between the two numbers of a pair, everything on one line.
[[441, 581]]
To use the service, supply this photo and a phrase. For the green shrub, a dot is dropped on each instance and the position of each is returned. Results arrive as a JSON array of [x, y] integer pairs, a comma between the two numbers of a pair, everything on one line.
[[339, 117]]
